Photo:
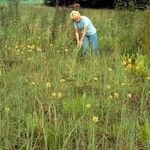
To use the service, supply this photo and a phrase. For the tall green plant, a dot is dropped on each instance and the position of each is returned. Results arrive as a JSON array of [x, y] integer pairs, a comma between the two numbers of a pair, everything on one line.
[[13, 10], [58, 21]]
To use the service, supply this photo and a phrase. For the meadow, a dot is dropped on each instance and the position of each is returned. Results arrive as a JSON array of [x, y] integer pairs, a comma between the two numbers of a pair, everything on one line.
[[28, 2], [52, 98]]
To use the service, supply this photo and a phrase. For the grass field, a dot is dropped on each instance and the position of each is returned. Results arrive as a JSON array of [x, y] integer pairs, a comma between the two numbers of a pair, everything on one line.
[[53, 99], [5, 2]]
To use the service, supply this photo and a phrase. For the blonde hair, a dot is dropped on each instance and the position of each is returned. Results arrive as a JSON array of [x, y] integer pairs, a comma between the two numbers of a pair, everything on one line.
[[75, 15]]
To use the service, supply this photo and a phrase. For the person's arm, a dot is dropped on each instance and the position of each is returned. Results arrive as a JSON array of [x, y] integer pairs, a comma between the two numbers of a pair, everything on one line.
[[83, 36], [77, 37], [84, 33]]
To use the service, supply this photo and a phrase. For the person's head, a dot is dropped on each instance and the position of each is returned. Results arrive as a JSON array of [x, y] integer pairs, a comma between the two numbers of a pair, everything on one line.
[[75, 16]]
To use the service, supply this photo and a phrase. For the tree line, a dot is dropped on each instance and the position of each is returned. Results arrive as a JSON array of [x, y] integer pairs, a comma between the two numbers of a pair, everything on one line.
[[140, 4]]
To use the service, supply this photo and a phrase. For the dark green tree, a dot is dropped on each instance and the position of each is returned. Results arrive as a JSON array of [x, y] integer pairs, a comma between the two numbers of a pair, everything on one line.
[[58, 20], [141, 4]]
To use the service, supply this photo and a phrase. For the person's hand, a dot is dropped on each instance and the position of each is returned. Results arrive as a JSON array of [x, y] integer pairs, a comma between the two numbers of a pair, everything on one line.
[[80, 43]]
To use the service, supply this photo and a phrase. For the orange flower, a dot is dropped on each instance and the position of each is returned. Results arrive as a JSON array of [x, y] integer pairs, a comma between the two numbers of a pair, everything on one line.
[[108, 86], [16, 46], [32, 83], [28, 46], [148, 78], [129, 95], [66, 50], [129, 60], [110, 97], [32, 46], [39, 49], [88, 106], [124, 63], [95, 79], [62, 80], [116, 95], [123, 84], [54, 94], [109, 69], [129, 66], [48, 84], [59, 95], [7, 109], [95, 119]]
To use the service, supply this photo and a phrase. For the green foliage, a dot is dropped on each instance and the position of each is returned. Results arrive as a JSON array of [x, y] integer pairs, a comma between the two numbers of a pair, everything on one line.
[[77, 106], [142, 67], [132, 4], [144, 131], [51, 98], [129, 4], [5, 2]]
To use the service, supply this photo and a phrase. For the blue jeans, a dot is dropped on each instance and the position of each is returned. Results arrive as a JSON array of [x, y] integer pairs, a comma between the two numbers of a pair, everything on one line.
[[92, 39]]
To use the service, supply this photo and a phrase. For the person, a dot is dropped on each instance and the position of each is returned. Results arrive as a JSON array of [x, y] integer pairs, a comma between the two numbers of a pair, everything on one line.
[[74, 5], [83, 25]]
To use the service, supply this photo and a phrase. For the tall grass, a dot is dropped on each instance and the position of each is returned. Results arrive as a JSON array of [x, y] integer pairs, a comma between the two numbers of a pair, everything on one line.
[[52, 99], [26, 2]]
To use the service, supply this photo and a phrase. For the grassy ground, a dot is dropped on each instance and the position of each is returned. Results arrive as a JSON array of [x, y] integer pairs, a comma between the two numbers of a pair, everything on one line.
[[52, 98], [5, 2]]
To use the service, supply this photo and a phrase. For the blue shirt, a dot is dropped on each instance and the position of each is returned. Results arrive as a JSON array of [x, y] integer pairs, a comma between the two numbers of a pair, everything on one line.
[[85, 22]]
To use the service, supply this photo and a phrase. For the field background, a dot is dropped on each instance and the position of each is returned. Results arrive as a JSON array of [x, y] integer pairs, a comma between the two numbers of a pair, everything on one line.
[[53, 98], [4, 2]]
